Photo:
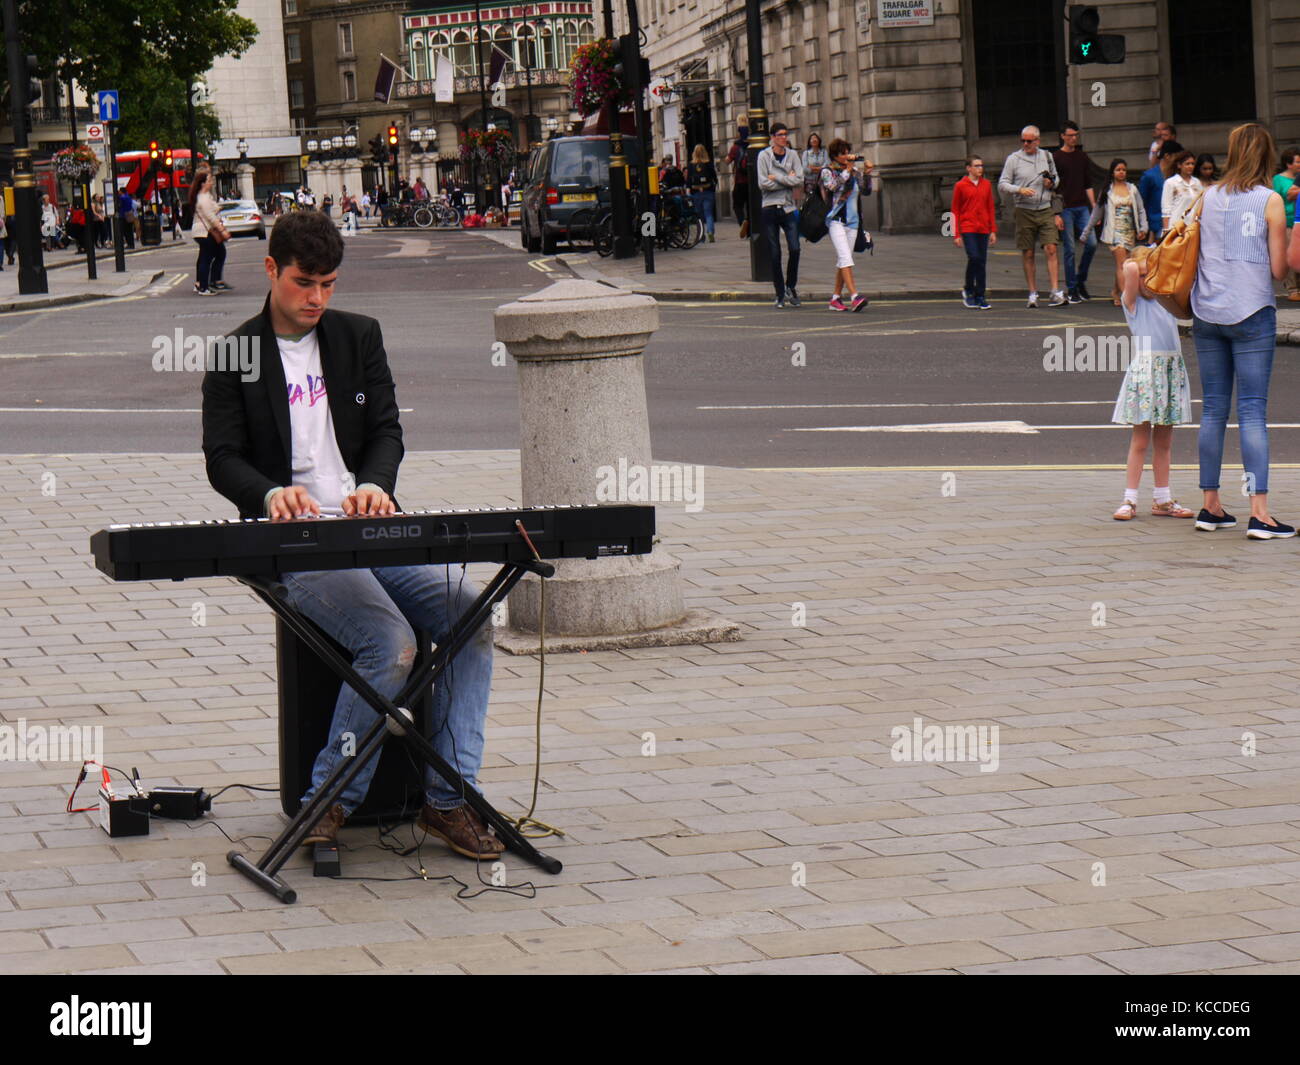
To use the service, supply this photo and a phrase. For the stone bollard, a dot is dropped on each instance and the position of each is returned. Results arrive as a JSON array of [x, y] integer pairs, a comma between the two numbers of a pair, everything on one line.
[[578, 348]]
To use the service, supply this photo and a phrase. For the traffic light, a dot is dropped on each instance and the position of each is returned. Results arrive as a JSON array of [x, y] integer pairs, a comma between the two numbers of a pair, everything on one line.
[[393, 139], [167, 158], [153, 151], [33, 82], [630, 68], [1089, 46], [378, 150]]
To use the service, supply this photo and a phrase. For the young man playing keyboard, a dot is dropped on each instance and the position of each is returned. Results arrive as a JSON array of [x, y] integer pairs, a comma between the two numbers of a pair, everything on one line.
[[314, 431]]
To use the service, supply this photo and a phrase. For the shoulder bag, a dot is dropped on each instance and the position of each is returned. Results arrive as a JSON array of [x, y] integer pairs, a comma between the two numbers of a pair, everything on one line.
[[1171, 266], [812, 217]]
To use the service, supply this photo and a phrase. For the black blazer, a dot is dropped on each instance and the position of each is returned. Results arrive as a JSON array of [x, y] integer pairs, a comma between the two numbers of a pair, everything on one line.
[[246, 435]]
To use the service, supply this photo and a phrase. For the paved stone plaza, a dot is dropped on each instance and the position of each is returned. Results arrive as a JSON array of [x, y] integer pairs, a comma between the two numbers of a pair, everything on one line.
[[772, 830]]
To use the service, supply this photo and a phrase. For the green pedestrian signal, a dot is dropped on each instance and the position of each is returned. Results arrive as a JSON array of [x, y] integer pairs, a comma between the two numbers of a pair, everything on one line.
[[1089, 46]]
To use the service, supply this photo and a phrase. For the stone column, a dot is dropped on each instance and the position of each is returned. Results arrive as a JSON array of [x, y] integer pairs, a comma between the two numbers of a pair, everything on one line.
[[245, 172], [578, 349]]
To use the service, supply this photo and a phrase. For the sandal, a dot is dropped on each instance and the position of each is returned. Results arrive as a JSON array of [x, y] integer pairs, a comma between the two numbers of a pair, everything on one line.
[[1172, 509], [1128, 510]]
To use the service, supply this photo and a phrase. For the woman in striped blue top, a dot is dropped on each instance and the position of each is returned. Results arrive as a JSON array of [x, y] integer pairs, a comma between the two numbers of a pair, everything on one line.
[[1234, 322]]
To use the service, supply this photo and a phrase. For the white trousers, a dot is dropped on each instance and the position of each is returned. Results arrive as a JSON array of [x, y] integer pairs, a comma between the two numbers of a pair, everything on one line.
[[842, 238]]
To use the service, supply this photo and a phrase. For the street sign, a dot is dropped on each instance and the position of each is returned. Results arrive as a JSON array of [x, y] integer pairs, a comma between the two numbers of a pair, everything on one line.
[[94, 132], [107, 102]]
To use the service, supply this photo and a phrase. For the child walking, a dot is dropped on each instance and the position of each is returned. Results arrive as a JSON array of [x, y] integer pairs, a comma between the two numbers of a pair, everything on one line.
[[1155, 395]]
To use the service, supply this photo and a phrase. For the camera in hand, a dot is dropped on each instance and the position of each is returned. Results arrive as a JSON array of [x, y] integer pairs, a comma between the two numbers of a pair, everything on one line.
[[1047, 179]]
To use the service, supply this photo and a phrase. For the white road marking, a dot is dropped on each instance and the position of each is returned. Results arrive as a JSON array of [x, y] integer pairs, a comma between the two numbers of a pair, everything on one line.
[[891, 406], [934, 427]]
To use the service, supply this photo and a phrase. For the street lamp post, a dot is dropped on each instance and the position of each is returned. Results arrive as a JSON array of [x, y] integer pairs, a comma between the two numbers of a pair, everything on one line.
[[760, 263], [620, 208], [31, 262]]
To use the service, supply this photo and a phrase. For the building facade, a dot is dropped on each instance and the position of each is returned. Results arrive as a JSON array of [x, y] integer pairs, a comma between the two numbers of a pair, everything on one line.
[[916, 87]]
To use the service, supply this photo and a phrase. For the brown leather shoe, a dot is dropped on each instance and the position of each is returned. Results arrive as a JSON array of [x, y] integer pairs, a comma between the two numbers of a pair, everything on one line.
[[463, 830], [327, 828]]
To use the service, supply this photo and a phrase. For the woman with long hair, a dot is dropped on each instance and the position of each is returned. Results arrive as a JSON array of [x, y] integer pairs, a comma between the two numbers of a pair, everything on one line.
[[815, 160], [1206, 171], [1123, 220], [703, 181], [1234, 322], [208, 234], [1181, 189]]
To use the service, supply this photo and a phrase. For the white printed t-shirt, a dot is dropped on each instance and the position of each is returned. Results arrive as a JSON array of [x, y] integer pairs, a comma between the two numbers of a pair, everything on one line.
[[316, 460]]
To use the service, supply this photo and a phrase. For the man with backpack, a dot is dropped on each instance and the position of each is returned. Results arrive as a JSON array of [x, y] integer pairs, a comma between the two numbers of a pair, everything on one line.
[[738, 157]]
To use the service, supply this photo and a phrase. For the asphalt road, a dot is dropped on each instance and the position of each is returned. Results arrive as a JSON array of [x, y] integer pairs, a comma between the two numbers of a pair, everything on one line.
[[735, 384]]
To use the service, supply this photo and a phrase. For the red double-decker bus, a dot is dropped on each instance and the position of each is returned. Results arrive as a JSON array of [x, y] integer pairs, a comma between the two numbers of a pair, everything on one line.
[[143, 177]]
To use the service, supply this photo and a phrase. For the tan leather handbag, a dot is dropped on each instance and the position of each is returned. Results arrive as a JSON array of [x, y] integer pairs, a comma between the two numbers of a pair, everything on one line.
[[1171, 266]]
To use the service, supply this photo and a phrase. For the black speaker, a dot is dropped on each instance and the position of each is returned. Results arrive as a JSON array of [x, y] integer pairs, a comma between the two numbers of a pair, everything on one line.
[[308, 692]]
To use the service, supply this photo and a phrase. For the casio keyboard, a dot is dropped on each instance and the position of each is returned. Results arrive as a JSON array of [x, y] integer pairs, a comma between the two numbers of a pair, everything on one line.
[[259, 547], [257, 551]]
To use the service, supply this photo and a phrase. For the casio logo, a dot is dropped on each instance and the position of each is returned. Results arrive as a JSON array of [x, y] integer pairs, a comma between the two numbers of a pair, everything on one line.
[[389, 532]]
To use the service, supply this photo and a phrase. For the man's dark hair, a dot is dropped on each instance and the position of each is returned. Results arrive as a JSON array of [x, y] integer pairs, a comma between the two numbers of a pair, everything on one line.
[[1070, 124], [777, 127], [1169, 148], [1288, 156], [307, 238]]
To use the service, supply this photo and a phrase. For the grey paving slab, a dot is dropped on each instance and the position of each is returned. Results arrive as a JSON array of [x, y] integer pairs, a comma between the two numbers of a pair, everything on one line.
[[776, 829]]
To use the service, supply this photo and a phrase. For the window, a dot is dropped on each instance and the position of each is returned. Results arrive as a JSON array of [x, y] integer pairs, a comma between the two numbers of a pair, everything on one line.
[[439, 45], [504, 43], [345, 38], [1219, 86], [547, 49], [1015, 66], [462, 54], [295, 93], [418, 70], [292, 47], [349, 85], [527, 47], [291, 7]]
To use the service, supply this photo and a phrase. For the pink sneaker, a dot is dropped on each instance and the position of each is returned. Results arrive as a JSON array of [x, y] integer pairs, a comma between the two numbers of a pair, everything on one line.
[[858, 303], [836, 304]]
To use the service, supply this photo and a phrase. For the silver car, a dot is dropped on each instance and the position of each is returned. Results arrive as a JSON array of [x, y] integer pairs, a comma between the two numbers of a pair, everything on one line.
[[242, 217]]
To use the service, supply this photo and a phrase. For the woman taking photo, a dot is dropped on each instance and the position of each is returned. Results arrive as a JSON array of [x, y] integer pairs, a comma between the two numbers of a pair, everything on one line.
[[209, 234], [1234, 322], [703, 181], [841, 184], [1122, 218]]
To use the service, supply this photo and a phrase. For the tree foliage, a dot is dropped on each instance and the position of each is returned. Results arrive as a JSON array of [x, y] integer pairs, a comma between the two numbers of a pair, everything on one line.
[[149, 50]]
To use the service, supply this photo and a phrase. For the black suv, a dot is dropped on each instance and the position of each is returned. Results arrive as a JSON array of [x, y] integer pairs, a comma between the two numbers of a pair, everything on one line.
[[567, 175]]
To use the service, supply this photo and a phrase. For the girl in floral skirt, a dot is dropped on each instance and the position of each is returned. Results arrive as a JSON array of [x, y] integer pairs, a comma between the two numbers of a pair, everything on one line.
[[1155, 395]]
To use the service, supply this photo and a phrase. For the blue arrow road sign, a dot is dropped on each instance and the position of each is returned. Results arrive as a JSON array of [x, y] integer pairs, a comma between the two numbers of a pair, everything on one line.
[[108, 109]]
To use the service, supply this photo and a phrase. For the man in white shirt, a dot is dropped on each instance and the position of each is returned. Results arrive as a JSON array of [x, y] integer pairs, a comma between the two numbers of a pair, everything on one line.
[[317, 433]]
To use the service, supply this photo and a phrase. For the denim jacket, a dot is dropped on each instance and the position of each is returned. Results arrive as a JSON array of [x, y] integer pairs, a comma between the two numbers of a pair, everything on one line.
[[841, 190]]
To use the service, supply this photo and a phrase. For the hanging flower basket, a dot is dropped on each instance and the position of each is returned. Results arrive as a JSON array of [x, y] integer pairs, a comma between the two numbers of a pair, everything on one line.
[[493, 145], [593, 78], [78, 163]]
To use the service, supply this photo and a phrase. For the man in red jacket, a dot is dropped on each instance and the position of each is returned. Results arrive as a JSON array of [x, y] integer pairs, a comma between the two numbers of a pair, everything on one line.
[[974, 228]]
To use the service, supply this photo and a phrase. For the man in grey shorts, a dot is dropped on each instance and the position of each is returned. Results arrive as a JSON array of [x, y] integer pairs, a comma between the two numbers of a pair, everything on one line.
[[1028, 177]]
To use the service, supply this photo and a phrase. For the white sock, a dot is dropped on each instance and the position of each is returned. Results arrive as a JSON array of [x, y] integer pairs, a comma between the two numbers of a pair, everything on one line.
[[1130, 495], [1163, 495], [1033, 294], [853, 297]]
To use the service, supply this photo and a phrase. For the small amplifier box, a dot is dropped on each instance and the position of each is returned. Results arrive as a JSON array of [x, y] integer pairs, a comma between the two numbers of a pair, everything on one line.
[[123, 815]]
